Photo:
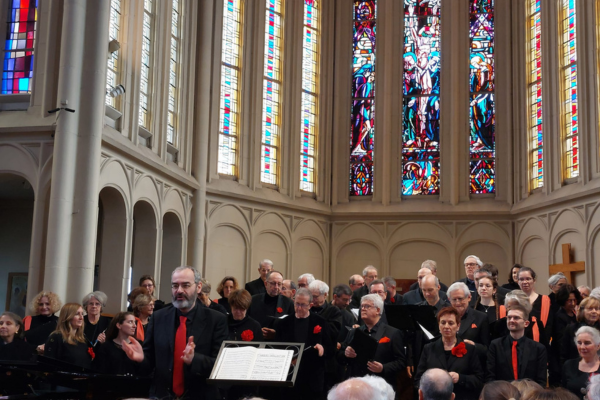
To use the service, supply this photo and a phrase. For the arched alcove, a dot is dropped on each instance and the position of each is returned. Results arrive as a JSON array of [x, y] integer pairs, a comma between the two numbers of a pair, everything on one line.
[[111, 261], [143, 252], [171, 254], [16, 218]]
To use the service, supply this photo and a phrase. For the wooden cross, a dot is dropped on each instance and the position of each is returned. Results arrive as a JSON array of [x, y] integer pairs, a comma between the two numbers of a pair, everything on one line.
[[567, 267]]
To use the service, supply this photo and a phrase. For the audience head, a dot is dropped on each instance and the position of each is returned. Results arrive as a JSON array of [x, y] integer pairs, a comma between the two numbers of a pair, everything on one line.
[[303, 302], [556, 281], [568, 297], [355, 282], [204, 294], [430, 265], [378, 287], [589, 311], [513, 275], [499, 390], [305, 280], [471, 264], [369, 274], [371, 307], [525, 386], [143, 305], [390, 284], [319, 291], [527, 278], [584, 291], [341, 296], [45, 303], [423, 272], [147, 281], [288, 289], [185, 286], [383, 390], [264, 267], [550, 394], [459, 296], [593, 389], [274, 283], [352, 389], [94, 302], [436, 384], [517, 297], [70, 323], [227, 285], [11, 326], [240, 301], [430, 286], [123, 321]]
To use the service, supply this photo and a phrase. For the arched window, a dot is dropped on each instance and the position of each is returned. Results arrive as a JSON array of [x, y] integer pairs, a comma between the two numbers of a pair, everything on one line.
[[536, 140], [570, 114], [362, 138], [174, 68], [310, 94], [271, 117], [421, 101], [17, 73], [147, 64], [112, 66], [230, 87], [482, 114]]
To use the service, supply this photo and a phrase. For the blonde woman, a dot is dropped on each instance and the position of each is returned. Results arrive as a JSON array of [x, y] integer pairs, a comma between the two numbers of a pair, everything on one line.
[[42, 321], [67, 343]]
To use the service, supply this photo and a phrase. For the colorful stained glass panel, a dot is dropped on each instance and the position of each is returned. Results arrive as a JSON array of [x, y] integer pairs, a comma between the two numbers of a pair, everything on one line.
[[422, 8], [17, 74], [536, 141], [570, 95], [482, 176]]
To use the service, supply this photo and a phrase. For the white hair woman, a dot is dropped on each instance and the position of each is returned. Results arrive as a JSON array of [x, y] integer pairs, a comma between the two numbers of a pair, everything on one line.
[[576, 372], [95, 324]]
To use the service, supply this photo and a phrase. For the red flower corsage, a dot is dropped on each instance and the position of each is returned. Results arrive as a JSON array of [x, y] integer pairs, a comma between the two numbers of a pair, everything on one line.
[[91, 352], [215, 301], [384, 339], [279, 309], [317, 329], [473, 326], [247, 335], [459, 350]]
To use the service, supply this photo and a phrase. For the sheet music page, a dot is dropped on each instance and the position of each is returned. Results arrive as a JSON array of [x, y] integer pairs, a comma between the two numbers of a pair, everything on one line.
[[271, 365], [236, 363], [355, 312], [427, 333]]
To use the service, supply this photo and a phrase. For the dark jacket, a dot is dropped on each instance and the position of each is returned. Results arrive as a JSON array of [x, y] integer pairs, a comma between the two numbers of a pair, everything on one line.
[[532, 362], [256, 286], [261, 311]]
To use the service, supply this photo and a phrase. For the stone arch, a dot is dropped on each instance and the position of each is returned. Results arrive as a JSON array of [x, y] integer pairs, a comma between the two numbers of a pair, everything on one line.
[[144, 241]]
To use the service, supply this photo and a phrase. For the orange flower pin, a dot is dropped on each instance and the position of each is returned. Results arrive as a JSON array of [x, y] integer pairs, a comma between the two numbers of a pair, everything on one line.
[[473, 326], [384, 339]]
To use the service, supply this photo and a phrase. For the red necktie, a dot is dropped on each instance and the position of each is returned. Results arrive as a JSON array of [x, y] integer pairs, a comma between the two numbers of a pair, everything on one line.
[[515, 363], [180, 343]]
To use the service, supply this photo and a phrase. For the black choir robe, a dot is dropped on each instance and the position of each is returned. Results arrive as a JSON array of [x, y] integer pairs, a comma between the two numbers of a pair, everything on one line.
[[256, 286], [263, 312]]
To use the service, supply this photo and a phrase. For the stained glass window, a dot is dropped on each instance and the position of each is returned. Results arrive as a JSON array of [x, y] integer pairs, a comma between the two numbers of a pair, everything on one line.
[[146, 65], [310, 63], [362, 138], [174, 73], [421, 101], [570, 128], [536, 139], [271, 118], [230, 74], [112, 66], [482, 112], [17, 74]]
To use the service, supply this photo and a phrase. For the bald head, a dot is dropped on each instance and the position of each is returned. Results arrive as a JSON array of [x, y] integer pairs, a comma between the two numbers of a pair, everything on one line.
[[423, 272], [430, 286], [352, 389], [436, 384]]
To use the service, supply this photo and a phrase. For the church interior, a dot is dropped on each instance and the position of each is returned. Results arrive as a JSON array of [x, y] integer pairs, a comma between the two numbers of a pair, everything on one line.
[[324, 135]]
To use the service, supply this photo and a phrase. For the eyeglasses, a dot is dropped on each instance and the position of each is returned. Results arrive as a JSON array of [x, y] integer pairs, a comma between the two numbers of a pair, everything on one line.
[[458, 299], [147, 285], [470, 264], [184, 286], [378, 292], [366, 306], [592, 309], [298, 305], [275, 283]]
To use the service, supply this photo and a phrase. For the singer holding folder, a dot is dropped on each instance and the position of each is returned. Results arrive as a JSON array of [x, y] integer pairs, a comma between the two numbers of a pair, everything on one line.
[[387, 358]]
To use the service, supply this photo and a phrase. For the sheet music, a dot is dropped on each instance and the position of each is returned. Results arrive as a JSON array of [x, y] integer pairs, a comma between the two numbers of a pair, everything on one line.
[[236, 363], [427, 333], [250, 363], [355, 312], [271, 365]]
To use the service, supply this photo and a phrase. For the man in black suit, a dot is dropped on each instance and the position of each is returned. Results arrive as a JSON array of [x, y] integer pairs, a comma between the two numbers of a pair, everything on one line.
[[432, 266], [369, 275], [271, 304], [341, 299], [393, 297], [355, 282], [471, 264], [181, 342], [389, 357], [416, 296], [430, 286], [530, 357], [257, 286]]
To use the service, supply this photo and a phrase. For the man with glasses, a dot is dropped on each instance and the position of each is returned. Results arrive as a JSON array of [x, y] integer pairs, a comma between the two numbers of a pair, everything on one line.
[[416, 296], [369, 275], [474, 326], [515, 356], [257, 286], [265, 307], [181, 342], [472, 263], [305, 279]]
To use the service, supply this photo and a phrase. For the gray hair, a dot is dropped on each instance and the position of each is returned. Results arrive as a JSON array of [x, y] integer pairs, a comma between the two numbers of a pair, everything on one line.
[[376, 282], [341, 289], [265, 261], [197, 276], [430, 265], [389, 280], [373, 298], [293, 285], [318, 285], [459, 286], [310, 278], [352, 280], [436, 384], [304, 292], [595, 293], [483, 271], [383, 390], [368, 268], [98, 295], [477, 260], [553, 280], [584, 287], [593, 389], [206, 286], [593, 332], [520, 297], [353, 388]]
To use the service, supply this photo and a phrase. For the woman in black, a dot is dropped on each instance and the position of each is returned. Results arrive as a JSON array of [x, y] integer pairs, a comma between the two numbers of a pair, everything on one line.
[[513, 278], [567, 299], [241, 326], [576, 372], [226, 286], [487, 302], [452, 354], [42, 322], [67, 343], [95, 324], [110, 356], [588, 315], [12, 345]]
